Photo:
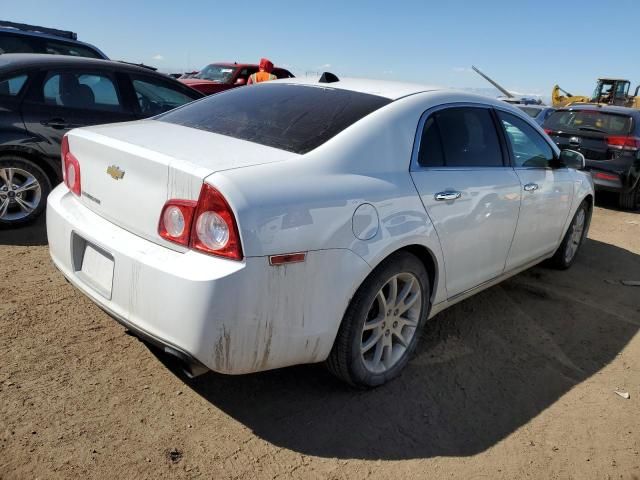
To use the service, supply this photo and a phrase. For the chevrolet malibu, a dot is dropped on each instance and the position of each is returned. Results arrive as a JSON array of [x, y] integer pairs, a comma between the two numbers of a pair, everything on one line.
[[297, 221]]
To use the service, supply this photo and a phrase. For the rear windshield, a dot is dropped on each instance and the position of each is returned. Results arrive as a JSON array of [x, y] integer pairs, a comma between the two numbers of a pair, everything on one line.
[[296, 118], [532, 112], [589, 120]]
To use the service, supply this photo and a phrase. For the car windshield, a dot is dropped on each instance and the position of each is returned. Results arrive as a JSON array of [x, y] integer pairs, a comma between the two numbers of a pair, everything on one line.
[[216, 73], [589, 120], [532, 112], [296, 118]]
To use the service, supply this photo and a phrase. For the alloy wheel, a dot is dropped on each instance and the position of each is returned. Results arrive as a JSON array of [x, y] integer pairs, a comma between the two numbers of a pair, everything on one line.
[[20, 193], [576, 235], [391, 323]]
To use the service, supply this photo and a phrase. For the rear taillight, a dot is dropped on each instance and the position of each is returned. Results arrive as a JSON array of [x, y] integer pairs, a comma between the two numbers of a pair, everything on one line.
[[207, 225], [548, 131], [175, 221], [623, 142], [70, 167]]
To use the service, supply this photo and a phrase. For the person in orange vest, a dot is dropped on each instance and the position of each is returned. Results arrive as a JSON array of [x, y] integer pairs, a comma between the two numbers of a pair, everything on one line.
[[264, 72]]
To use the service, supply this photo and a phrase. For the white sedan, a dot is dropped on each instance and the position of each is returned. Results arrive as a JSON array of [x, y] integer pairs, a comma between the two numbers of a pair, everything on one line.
[[299, 221]]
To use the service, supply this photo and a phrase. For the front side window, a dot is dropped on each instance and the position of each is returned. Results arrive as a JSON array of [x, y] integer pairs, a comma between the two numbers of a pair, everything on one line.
[[12, 86], [88, 91], [157, 97], [528, 148], [460, 137], [296, 118]]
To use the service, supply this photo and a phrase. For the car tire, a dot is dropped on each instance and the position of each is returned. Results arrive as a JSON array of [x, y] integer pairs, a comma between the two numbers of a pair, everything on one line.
[[568, 250], [630, 200], [374, 343], [24, 187]]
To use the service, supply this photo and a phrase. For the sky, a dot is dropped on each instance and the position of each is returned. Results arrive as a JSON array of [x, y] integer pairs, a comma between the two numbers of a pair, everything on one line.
[[527, 46]]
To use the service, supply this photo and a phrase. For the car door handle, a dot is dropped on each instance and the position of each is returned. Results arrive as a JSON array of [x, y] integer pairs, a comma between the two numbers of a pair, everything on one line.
[[531, 187], [448, 195], [57, 123]]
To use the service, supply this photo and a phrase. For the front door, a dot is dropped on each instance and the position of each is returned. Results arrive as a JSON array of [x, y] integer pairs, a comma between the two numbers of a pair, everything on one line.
[[547, 192], [470, 193]]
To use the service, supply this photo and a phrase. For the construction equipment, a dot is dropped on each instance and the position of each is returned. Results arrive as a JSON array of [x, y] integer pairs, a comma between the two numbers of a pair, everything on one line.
[[608, 91]]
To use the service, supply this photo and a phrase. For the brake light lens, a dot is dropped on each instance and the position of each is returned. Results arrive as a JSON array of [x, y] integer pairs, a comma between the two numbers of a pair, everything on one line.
[[70, 167], [207, 225], [216, 231], [623, 142], [175, 221], [548, 131]]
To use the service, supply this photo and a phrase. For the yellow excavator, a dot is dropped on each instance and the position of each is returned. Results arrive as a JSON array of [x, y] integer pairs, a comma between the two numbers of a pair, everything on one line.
[[609, 91]]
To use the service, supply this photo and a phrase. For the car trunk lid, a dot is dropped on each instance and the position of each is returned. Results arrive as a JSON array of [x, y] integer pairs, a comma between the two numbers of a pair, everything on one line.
[[128, 171]]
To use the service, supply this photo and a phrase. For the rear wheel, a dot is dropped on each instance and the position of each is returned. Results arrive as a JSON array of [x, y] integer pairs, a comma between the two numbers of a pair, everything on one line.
[[23, 190], [630, 200], [568, 249], [381, 326]]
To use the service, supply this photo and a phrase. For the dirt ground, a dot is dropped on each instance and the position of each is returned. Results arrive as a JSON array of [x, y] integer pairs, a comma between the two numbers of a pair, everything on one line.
[[516, 382]]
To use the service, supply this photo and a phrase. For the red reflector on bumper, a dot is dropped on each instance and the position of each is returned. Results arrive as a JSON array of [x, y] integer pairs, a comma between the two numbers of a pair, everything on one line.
[[606, 176], [287, 258]]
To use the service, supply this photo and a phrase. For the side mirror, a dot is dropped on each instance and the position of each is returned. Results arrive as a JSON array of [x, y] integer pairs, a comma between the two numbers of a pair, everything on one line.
[[240, 81], [572, 159]]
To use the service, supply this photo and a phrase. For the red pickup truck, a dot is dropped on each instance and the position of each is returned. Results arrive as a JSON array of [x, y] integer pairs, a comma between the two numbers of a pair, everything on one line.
[[217, 77]]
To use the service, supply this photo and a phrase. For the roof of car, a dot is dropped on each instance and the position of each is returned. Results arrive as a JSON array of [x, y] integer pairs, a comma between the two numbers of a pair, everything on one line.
[[50, 36], [604, 108], [382, 88], [242, 65], [10, 61]]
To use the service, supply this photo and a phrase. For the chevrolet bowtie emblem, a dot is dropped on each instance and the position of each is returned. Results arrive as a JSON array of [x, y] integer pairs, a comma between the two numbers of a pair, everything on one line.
[[115, 172]]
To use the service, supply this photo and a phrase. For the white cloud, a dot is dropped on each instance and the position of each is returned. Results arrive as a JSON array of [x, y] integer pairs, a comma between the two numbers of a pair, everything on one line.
[[326, 65], [158, 57]]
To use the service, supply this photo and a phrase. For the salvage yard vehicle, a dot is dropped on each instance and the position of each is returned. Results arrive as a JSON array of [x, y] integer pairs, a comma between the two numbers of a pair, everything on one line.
[[43, 96], [23, 38], [298, 221], [538, 112], [218, 77], [609, 138]]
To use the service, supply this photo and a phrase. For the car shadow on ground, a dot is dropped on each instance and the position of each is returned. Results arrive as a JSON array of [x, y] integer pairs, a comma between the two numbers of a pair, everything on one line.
[[485, 367], [28, 235]]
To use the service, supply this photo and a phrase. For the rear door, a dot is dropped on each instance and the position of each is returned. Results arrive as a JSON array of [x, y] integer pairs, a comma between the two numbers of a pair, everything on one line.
[[471, 194], [68, 98], [547, 191]]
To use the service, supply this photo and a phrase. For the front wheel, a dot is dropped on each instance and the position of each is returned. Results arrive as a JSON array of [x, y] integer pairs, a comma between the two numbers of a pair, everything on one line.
[[23, 191], [568, 249], [381, 326]]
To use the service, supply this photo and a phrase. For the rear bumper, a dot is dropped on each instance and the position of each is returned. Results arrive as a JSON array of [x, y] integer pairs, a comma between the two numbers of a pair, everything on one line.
[[232, 317], [615, 177]]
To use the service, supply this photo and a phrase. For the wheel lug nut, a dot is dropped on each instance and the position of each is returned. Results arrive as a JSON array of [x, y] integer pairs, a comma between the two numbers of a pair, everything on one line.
[[386, 334], [395, 324], [396, 312]]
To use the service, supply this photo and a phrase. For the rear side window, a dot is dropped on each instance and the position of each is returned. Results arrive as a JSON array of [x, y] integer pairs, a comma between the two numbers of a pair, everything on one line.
[[589, 120], [296, 118], [12, 86], [460, 137], [18, 44], [528, 148], [63, 48], [81, 90]]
